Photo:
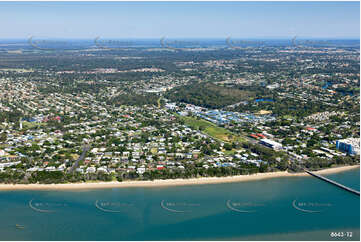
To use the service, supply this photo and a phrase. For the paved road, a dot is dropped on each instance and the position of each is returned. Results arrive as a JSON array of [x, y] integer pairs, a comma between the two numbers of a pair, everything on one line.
[[81, 157]]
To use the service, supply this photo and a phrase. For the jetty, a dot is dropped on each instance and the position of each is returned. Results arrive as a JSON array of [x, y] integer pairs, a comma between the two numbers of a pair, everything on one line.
[[333, 182]]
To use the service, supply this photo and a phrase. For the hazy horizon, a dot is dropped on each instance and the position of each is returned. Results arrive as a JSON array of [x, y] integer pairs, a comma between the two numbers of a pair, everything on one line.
[[200, 20]]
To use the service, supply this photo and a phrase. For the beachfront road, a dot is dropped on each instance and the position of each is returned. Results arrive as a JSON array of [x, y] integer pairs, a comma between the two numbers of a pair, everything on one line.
[[81, 157]]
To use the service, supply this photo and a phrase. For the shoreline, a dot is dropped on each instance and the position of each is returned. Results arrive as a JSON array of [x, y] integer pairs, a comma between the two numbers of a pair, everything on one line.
[[167, 182]]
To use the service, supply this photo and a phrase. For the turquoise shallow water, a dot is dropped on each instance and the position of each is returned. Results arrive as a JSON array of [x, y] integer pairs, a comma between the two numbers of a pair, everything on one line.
[[297, 208]]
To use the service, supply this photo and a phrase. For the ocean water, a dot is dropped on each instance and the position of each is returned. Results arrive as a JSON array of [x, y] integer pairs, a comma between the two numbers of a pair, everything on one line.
[[296, 208]]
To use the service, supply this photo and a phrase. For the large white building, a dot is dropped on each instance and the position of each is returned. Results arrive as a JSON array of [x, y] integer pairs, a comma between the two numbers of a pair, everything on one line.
[[270, 143], [350, 145]]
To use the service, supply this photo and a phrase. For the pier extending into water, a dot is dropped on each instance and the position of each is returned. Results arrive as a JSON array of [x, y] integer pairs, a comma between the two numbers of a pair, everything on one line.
[[333, 182]]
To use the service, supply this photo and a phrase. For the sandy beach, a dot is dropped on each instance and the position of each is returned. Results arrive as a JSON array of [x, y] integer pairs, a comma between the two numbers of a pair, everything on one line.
[[169, 182]]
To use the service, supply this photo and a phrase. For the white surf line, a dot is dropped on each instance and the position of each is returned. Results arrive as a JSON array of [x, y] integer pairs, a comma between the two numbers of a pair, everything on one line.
[[303, 210], [238, 210], [169, 209], [105, 210], [39, 210]]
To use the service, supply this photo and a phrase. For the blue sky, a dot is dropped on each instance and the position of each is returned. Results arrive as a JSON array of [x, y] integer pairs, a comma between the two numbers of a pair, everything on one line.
[[180, 19]]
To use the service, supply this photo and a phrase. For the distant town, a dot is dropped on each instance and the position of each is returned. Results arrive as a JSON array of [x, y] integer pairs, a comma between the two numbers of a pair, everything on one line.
[[103, 115]]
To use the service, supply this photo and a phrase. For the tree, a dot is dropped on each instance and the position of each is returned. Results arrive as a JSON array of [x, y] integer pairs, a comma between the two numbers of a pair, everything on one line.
[[228, 146], [3, 137]]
